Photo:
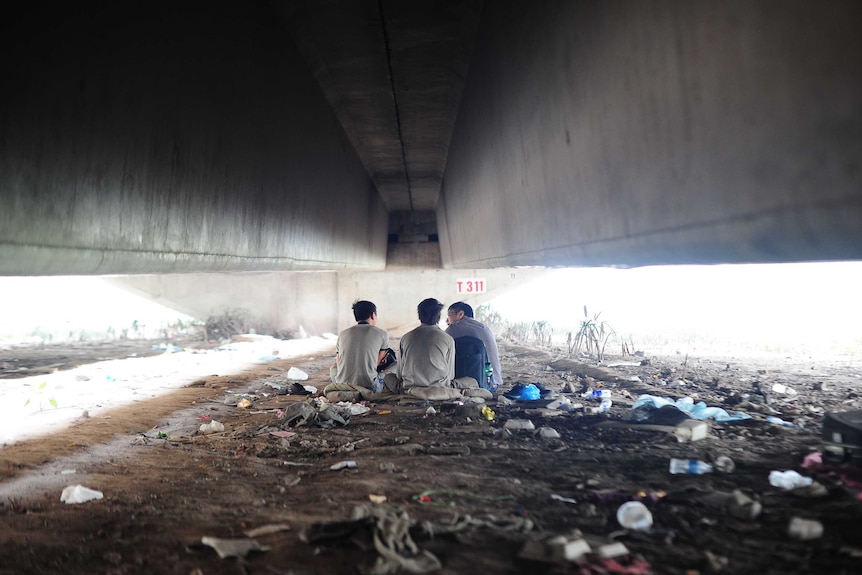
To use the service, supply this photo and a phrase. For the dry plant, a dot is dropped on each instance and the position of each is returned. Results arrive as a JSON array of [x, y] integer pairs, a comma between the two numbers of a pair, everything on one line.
[[231, 322], [591, 337], [542, 331]]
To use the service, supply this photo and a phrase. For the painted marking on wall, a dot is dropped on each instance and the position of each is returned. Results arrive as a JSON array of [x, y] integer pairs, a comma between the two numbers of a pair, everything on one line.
[[470, 286]]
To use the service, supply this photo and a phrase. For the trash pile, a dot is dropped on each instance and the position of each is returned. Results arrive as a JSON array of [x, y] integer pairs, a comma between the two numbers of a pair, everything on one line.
[[603, 477]]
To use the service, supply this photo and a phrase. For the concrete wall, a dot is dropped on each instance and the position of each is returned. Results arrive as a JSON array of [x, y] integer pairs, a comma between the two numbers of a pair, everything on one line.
[[175, 139], [632, 132], [318, 302]]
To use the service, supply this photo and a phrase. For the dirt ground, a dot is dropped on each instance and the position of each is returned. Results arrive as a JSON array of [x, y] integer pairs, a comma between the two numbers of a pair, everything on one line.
[[462, 493]]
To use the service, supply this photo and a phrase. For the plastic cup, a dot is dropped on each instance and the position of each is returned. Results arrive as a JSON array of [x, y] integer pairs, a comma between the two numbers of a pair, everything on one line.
[[634, 515]]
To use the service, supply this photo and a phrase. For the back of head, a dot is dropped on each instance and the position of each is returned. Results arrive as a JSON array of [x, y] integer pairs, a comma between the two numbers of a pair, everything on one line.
[[461, 306], [363, 309], [429, 311]]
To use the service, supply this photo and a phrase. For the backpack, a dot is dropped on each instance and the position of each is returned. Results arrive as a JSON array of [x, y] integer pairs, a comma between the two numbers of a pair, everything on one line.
[[471, 360]]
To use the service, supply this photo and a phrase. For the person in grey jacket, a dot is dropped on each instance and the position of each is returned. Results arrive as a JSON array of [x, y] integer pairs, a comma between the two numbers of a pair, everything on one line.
[[462, 323]]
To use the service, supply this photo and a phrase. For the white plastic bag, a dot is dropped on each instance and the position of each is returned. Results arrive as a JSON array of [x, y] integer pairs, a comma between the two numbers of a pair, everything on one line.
[[79, 494], [296, 374]]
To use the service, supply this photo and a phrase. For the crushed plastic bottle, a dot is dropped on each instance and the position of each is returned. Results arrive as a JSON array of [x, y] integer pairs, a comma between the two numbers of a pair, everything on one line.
[[597, 394], [689, 466], [781, 422], [780, 388], [606, 404]]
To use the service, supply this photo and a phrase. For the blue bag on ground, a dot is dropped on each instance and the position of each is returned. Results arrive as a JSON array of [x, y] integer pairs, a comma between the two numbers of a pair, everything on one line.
[[523, 392]]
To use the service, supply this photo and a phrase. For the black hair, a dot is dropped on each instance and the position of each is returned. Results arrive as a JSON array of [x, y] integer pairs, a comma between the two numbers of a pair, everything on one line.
[[429, 311], [461, 306], [363, 309]]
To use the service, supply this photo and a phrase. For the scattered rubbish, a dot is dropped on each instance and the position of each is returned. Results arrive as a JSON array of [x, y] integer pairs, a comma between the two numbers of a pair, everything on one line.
[[79, 494], [788, 479], [354, 408], [781, 388], [564, 404], [736, 504], [377, 498], [445, 497], [557, 549], [689, 466], [612, 550], [284, 434], [243, 403], [296, 374], [315, 413], [634, 515], [166, 347], [549, 433], [691, 430], [605, 405], [563, 499], [813, 460], [724, 464], [519, 424], [343, 465], [804, 529], [597, 394], [267, 358], [233, 547], [694, 410], [779, 421], [68, 472], [389, 529], [267, 530], [488, 413], [431, 411], [212, 427]]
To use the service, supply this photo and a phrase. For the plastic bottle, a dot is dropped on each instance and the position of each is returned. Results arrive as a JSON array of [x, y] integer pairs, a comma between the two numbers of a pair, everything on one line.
[[781, 422], [489, 374], [606, 404], [597, 394], [689, 466]]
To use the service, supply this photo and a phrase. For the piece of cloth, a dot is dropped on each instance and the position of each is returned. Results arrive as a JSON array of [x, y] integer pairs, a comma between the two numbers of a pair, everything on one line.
[[468, 326], [426, 358], [363, 393], [357, 352]]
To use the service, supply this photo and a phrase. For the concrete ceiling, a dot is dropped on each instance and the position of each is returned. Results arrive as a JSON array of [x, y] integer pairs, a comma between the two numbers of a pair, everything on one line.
[[393, 72], [300, 135]]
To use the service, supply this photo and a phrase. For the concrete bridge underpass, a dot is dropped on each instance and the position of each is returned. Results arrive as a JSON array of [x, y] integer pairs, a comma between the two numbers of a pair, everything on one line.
[[383, 149]]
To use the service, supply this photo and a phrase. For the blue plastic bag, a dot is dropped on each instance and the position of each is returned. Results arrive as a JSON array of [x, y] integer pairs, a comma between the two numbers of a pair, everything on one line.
[[524, 392]]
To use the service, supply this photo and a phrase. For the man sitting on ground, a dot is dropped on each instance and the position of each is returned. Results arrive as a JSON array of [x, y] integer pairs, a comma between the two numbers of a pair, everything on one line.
[[461, 324], [426, 364], [360, 352]]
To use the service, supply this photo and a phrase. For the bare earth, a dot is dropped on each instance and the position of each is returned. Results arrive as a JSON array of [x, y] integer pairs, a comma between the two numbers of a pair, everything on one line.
[[463, 495]]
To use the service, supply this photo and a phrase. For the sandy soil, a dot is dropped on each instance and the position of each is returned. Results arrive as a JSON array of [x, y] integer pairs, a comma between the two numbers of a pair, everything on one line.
[[462, 492]]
